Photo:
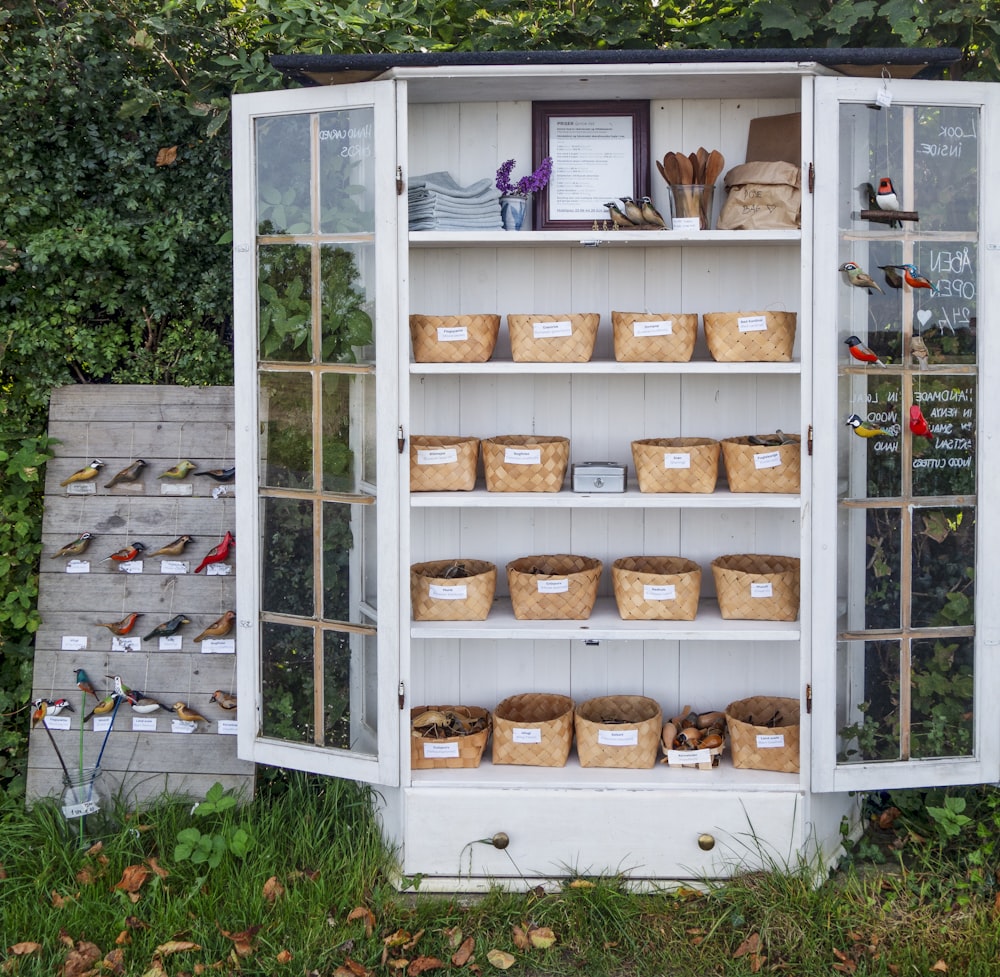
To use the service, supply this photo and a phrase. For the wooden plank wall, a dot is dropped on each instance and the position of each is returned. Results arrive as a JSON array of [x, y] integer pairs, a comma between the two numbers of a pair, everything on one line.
[[161, 425]]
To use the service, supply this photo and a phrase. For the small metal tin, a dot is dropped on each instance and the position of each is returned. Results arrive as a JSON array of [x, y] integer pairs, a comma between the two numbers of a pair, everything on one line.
[[599, 476]]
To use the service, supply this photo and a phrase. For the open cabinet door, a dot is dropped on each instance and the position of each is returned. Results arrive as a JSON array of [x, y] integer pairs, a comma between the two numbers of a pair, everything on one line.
[[907, 472], [315, 217]]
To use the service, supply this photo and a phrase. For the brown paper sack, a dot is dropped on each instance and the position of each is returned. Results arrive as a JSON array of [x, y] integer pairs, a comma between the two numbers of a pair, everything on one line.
[[762, 197]]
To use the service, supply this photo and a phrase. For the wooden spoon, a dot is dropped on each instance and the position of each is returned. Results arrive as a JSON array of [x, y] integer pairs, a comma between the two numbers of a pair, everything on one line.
[[713, 167], [702, 163], [686, 169], [671, 169]]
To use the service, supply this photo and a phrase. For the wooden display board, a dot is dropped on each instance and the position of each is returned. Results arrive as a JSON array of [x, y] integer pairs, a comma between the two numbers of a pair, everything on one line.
[[146, 754]]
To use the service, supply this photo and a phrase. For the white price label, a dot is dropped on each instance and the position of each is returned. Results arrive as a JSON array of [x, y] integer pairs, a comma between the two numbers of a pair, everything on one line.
[[686, 224], [78, 566], [228, 727], [102, 724], [219, 569], [452, 592], [172, 488], [676, 459], [452, 334], [522, 456], [81, 810], [770, 741], [767, 459], [560, 586], [618, 737], [172, 642], [182, 726], [74, 642], [57, 722], [665, 591], [130, 566], [174, 566], [143, 724], [526, 734], [218, 646], [751, 323], [440, 751], [81, 488], [653, 327], [126, 644], [437, 456], [686, 758], [761, 590], [552, 330]]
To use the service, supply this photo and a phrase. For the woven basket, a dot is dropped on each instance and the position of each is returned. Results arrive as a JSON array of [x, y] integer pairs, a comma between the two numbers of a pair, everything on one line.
[[453, 338], [437, 597], [525, 462], [676, 464], [755, 587], [553, 588], [762, 467], [618, 731], [656, 588], [649, 337], [534, 729], [452, 752], [553, 338], [764, 733], [443, 463], [755, 337]]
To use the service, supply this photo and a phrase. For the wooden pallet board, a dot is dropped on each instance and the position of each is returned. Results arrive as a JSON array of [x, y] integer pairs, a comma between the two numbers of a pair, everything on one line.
[[161, 425]]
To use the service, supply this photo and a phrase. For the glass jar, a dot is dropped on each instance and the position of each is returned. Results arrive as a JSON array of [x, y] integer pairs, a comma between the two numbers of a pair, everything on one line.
[[86, 802]]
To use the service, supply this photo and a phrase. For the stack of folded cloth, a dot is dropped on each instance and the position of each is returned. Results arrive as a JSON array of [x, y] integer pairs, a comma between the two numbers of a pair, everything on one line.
[[438, 203]]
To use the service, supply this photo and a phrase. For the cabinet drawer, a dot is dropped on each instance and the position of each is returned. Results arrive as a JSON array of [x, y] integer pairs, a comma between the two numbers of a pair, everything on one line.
[[644, 834]]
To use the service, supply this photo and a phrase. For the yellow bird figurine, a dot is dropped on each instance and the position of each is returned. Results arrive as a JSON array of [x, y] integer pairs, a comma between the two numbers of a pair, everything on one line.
[[188, 715]]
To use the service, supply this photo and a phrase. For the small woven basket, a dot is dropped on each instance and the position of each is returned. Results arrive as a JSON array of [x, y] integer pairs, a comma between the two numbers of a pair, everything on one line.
[[656, 588], [534, 729], [525, 462], [562, 587], [763, 467], [443, 463], [764, 733], [553, 338], [454, 338], [676, 464], [649, 337], [618, 731], [438, 595], [750, 337], [452, 752], [756, 587]]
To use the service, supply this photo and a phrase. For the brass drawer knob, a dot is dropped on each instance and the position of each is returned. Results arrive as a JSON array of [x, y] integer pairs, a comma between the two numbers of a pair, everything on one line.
[[706, 842]]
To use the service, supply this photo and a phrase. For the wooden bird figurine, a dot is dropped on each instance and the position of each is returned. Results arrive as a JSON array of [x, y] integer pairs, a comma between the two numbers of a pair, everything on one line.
[[173, 548], [130, 473], [862, 352], [918, 423], [914, 279], [218, 628], [618, 217], [892, 277], [219, 474], [179, 471], [103, 707], [78, 546], [167, 628], [84, 474], [918, 350], [860, 278], [225, 700], [650, 214], [123, 626], [41, 707], [187, 714], [126, 554], [56, 706], [632, 210], [84, 684], [218, 552], [862, 428]]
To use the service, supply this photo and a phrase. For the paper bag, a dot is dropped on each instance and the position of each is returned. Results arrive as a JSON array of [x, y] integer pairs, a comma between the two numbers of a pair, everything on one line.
[[762, 197]]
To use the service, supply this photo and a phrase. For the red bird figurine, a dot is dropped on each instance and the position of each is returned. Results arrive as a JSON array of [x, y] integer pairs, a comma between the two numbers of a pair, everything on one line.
[[914, 279], [862, 352], [217, 553], [918, 423]]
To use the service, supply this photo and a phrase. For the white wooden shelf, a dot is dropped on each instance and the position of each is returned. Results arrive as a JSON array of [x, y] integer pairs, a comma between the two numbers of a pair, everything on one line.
[[605, 624], [599, 367], [597, 239], [632, 498]]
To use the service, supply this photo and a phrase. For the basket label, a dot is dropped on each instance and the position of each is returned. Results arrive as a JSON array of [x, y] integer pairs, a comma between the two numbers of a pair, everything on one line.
[[552, 330], [654, 327], [761, 589], [449, 592], [685, 223], [526, 734], [676, 459], [618, 737], [751, 323], [655, 591], [770, 741], [685, 758], [440, 751], [437, 456], [522, 456], [554, 586], [767, 459], [452, 334]]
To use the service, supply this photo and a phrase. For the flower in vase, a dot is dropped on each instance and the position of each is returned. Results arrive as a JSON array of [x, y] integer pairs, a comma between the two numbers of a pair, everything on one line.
[[527, 184]]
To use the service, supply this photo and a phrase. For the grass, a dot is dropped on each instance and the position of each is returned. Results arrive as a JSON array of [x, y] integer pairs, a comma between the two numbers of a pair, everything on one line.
[[302, 885]]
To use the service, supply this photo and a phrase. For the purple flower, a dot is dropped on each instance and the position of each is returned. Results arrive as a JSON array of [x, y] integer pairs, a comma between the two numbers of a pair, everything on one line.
[[527, 184]]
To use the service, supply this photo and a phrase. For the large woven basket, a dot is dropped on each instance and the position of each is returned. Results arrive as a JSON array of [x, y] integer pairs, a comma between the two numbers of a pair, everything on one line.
[[750, 336], [454, 338], [525, 462], [656, 588], [757, 587], [676, 464], [764, 733], [763, 467], [649, 337], [437, 594], [534, 729], [452, 752], [553, 338], [618, 731], [445, 463], [561, 587]]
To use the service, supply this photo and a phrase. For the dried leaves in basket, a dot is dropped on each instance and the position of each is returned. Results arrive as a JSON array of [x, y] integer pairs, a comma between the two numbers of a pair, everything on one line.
[[439, 724]]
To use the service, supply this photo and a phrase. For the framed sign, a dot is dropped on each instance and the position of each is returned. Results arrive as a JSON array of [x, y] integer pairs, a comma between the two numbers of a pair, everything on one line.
[[600, 152]]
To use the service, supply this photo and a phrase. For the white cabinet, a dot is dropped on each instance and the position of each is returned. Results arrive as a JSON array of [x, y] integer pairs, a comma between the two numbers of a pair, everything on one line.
[[322, 248]]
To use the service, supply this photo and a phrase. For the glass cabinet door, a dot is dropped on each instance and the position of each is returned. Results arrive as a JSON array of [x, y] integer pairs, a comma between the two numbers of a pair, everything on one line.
[[312, 288], [902, 437]]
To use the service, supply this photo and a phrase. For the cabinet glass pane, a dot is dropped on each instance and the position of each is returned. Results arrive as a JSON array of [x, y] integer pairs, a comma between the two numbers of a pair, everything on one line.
[[284, 284], [347, 274], [286, 430], [349, 561], [287, 557], [350, 686], [907, 531], [283, 183], [347, 170], [287, 683]]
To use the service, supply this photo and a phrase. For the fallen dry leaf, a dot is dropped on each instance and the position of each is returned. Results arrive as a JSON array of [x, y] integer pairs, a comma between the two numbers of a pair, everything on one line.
[[422, 964], [500, 959], [59, 901], [134, 923], [398, 963], [273, 890], [888, 817], [399, 938], [133, 878], [582, 884], [541, 937], [454, 935], [941, 967], [242, 941], [94, 849], [363, 912], [114, 962], [157, 868], [23, 949], [412, 942], [65, 939], [355, 968], [284, 956], [750, 945], [166, 156], [81, 958], [520, 938], [155, 969], [176, 946], [464, 953]]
